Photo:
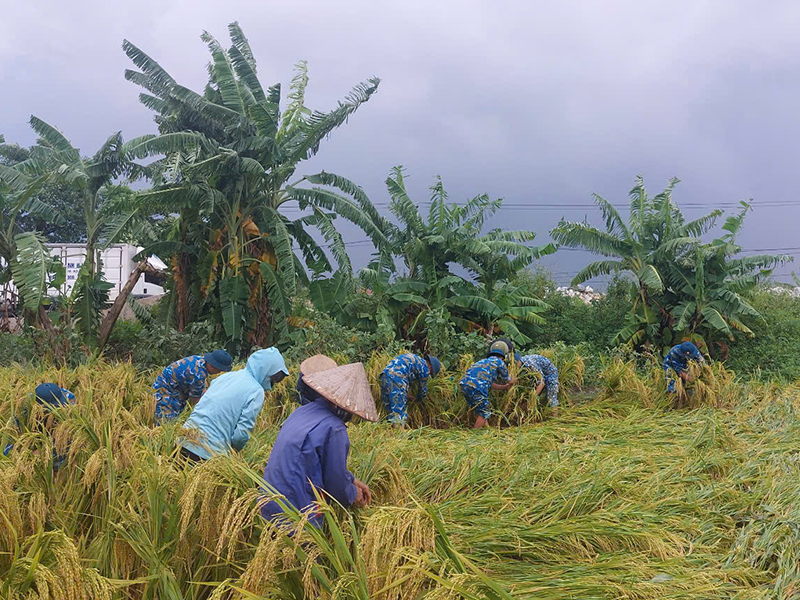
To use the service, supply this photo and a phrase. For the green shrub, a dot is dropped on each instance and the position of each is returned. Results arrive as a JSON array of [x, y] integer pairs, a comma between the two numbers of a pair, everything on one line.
[[573, 322], [775, 351], [16, 348]]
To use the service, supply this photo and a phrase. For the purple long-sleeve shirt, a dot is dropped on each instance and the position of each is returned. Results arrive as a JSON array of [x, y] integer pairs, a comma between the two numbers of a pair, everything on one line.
[[311, 449]]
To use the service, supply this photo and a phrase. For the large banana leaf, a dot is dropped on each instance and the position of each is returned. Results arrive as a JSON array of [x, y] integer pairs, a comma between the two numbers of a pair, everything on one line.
[[30, 268], [484, 307], [233, 295], [330, 295], [89, 299], [281, 309]]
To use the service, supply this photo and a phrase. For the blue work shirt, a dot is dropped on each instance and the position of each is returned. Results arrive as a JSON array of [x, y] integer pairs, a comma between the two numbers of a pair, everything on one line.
[[185, 378], [404, 369], [484, 373], [311, 450], [678, 361]]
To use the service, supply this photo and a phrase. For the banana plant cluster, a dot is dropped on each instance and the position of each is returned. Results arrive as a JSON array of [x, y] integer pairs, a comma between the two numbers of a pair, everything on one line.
[[225, 166], [226, 160], [682, 287], [413, 271], [33, 269]]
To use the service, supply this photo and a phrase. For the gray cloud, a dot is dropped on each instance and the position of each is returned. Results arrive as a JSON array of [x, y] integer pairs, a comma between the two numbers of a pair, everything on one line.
[[545, 102]]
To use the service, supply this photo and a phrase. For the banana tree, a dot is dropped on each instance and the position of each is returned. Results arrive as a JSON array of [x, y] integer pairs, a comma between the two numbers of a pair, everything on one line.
[[655, 235], [55, 158], [502, 309], [25, 258], [226, 160], [708, 286], [429, 245], [373, 301]]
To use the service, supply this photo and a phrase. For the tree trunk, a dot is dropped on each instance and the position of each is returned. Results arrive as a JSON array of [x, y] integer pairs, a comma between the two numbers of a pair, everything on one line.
[[116, 308], [60, 350], [181, 289]]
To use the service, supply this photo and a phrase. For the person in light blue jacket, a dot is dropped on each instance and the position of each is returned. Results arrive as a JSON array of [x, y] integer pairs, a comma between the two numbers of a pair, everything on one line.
[[227, 412]]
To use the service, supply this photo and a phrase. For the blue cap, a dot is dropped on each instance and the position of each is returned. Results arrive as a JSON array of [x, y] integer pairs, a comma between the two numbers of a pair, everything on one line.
[[689, 349], [219, 359], [436, 366], [49, 394]]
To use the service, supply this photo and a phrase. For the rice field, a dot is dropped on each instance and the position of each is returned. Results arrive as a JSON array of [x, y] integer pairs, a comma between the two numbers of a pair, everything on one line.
[[621, 496]]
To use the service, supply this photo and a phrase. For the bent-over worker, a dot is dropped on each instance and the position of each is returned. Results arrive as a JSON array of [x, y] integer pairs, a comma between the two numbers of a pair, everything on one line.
[[226, 414], [545, 367], [49, 396], [185, 381], [396, 380], [677, 360], [311, 450], [484, 375]]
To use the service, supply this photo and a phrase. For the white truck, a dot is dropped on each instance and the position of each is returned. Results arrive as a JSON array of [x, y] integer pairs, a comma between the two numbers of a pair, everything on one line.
[[118, 264]]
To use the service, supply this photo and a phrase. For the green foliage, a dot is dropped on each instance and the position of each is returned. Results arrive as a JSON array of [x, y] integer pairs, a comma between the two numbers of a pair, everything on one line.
[[572, 321], [35, 271], [224, 163], [775, 352], [450, 235], [63, 199], [318, 332], [685, 289], [17, 348], [88, 299], [154, 346], [447, 343]]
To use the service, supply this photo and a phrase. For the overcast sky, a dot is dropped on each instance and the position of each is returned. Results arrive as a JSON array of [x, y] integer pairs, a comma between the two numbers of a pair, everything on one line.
[[540, 103]]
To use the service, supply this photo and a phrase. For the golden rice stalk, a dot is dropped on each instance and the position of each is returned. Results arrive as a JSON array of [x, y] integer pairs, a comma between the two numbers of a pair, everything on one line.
[[620, 380], [272, 554], [242, 509], [390, 537]]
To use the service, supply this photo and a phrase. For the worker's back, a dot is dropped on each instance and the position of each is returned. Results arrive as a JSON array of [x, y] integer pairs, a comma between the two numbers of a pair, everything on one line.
[[226, 413], [311, 449]]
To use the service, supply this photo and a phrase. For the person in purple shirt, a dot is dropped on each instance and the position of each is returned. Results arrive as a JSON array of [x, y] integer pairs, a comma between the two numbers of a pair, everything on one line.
[[311, 453]]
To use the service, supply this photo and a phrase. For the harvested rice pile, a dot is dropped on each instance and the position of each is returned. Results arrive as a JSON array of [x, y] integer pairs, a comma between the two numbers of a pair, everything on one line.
[[620, 497]]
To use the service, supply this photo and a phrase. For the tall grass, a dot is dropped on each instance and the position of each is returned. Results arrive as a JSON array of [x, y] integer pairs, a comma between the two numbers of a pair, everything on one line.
[[619, 497]]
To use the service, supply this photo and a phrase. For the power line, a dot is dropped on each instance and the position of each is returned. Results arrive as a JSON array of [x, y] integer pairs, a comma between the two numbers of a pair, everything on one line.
[[789, 250], [552, 207]]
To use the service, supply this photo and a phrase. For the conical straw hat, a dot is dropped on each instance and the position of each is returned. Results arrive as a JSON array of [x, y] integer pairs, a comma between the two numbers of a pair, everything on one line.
[[347, 387], [317, 363]]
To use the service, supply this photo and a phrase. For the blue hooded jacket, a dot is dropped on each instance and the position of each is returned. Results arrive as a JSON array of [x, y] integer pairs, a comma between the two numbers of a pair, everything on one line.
[[227, 412]]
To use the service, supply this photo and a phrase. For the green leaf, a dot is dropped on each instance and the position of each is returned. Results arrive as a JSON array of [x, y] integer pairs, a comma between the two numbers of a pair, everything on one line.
[[649, 277], [115, 227], [89, 297], [281, 310], [223, 74], [233, 294], [30, 268], [716, 321], [281, 242], [330, 295], [54, 138], [482, 306]]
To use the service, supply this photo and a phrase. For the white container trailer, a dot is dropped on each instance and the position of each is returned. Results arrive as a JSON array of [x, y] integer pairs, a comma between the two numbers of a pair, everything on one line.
[[118, 264]]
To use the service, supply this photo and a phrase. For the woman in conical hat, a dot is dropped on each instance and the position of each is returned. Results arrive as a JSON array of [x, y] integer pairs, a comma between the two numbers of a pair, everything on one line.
[[314, 364], [311, 450]]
